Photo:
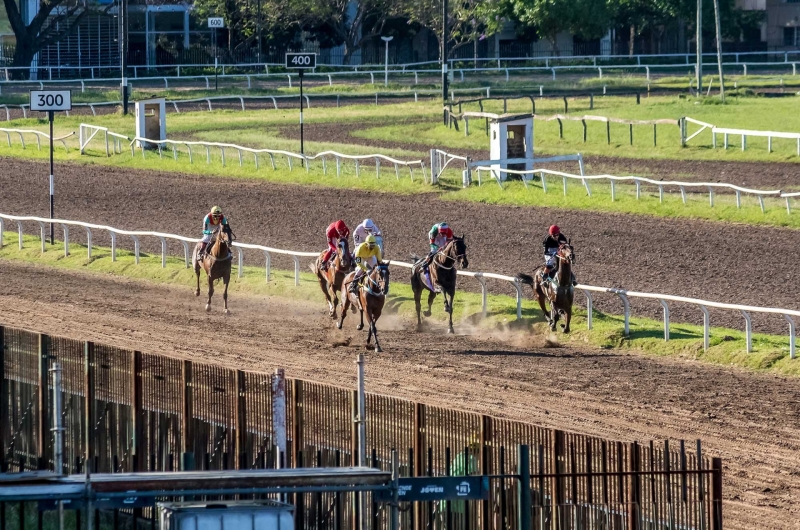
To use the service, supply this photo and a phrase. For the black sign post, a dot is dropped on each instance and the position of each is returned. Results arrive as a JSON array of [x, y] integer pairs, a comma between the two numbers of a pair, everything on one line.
[[50, 101], [301, 62]]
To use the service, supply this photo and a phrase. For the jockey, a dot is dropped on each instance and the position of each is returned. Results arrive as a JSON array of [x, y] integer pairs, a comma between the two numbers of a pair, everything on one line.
[[440, 235], [366, 228], [336, 230], [551, 245], [368, 255], [210, 222]]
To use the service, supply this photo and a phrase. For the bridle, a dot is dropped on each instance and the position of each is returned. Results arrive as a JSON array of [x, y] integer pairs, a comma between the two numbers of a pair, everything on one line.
[[445, 253], [571, 258], [381, 292], [210, 256]]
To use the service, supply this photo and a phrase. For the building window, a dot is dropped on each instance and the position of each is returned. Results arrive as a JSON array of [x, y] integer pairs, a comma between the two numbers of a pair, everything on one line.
[[790, 36]]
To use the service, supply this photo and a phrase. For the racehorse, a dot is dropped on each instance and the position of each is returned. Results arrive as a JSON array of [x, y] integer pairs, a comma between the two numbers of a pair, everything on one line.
[[559, 295], [443, 272], [370, 298], [330, 280], [217, 264]]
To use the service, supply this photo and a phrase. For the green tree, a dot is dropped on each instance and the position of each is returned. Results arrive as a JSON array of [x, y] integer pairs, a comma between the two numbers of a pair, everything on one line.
[[55, 20], [467, 20]]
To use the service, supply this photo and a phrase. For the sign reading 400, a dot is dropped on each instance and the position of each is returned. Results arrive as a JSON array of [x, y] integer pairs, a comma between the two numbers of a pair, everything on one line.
[[301, 60]]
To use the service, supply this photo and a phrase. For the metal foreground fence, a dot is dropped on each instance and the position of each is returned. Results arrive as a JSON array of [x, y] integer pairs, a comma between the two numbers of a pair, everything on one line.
[[481, 277], [129, 411]]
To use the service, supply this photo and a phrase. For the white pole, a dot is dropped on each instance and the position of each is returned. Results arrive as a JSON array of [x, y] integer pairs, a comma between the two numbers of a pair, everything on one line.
[[699, 38], [719, 50], [386, 61], [58, 433]]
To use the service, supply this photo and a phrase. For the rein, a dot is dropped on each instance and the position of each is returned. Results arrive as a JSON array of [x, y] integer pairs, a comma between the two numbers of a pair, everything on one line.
[[448, 257]]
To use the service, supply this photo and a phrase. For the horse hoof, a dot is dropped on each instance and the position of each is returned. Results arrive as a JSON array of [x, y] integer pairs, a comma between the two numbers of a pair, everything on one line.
[[208, 308], [227, 312], [378, 349], [419, 328], [360, 327], [339, 325], [197, 292], [451, 331], [426, 313]]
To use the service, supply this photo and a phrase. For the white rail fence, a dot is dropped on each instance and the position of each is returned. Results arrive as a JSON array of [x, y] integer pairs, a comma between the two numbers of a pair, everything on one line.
[[87, 132], [272, 153], [529, 175], [481, 277], [726, 132], [38, 135]]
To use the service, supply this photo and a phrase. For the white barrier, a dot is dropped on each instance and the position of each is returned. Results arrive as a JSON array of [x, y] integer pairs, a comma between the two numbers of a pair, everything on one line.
[[743, 133], [638, 181], [39, 135], [479, 276], [305, 159], [88, 131]]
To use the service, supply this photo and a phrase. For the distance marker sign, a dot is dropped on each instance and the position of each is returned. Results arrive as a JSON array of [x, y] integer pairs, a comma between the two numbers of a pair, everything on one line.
[[51, 100], [301, 60]]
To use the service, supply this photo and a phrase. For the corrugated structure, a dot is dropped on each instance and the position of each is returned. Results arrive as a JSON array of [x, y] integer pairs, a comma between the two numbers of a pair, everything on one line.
[[128, 411]]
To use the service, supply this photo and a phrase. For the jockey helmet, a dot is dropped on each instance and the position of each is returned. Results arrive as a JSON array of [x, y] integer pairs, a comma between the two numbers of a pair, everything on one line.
[[554, 230], [216, 211], [369, 225], [341, 228], [371, 241], [446, 230]]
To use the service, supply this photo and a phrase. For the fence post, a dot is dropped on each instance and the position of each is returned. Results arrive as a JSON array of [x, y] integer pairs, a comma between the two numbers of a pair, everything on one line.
[[419, 457], [634, 486], [486, 437], [297, 421], [241, 421], [557, 494], [43, 425], [187, 435], [716, 494], [524, 472], [138, 454], [89, 406], [3, 398]]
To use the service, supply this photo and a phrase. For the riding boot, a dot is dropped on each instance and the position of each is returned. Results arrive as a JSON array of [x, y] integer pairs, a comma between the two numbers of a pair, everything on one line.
[[202, 251], [323, 266], [354, 286]]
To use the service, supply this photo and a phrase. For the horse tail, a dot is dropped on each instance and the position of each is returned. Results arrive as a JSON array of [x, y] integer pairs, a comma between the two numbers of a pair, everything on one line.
[[313, 267], [527, 279]]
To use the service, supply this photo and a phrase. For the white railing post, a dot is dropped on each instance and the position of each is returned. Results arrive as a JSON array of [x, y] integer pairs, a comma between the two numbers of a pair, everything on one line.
[[666, 319], [790, 320], [240, 264], [484, 297], [42, 236], [19, 233], [136, 248], [748, 331], [268, 259], [163, 252], [589, 308], [296, 270], [113, 246], [627, 309], [88, 243], [518, 286], [186, 257], [66, 240], [706, 327]]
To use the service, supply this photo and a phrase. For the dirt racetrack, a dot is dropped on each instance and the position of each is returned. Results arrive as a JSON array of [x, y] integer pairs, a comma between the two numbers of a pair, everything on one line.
[[751, 420], [714, 261]]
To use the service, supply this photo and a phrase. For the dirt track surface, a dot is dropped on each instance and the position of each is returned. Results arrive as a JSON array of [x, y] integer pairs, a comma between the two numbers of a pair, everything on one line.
[[751, 420], [713, 261], [756, 175]]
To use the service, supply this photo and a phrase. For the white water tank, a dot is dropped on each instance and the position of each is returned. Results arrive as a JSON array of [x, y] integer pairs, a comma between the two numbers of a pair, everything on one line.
[[239, 515]]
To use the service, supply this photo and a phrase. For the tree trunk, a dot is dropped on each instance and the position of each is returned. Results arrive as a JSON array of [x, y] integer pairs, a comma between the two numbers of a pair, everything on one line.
[[348, 52], [23, 57], [631, 40]]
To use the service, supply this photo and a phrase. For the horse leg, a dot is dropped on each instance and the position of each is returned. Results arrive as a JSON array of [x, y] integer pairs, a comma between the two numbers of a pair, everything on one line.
[[449, 309], [553, 317], [567, 319], [345, 307], [540, 298], [431, 297], [417, 301], [197, 273], [361, 324], [226, 279], [378, 348], [210, 292], [325, 287]]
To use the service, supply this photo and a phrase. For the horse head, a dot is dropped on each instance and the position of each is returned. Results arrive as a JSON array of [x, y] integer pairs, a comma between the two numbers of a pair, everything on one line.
[[382, 279], [344, 253], [222, 242], [458, 251], [567, 253]]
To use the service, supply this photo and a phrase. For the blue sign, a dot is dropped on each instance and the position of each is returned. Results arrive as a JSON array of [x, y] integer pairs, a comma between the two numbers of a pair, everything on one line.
[[439, 488]]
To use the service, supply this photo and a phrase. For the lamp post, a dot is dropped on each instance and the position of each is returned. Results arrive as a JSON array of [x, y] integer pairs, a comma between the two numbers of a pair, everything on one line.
[[386, 65], [444, 51]]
